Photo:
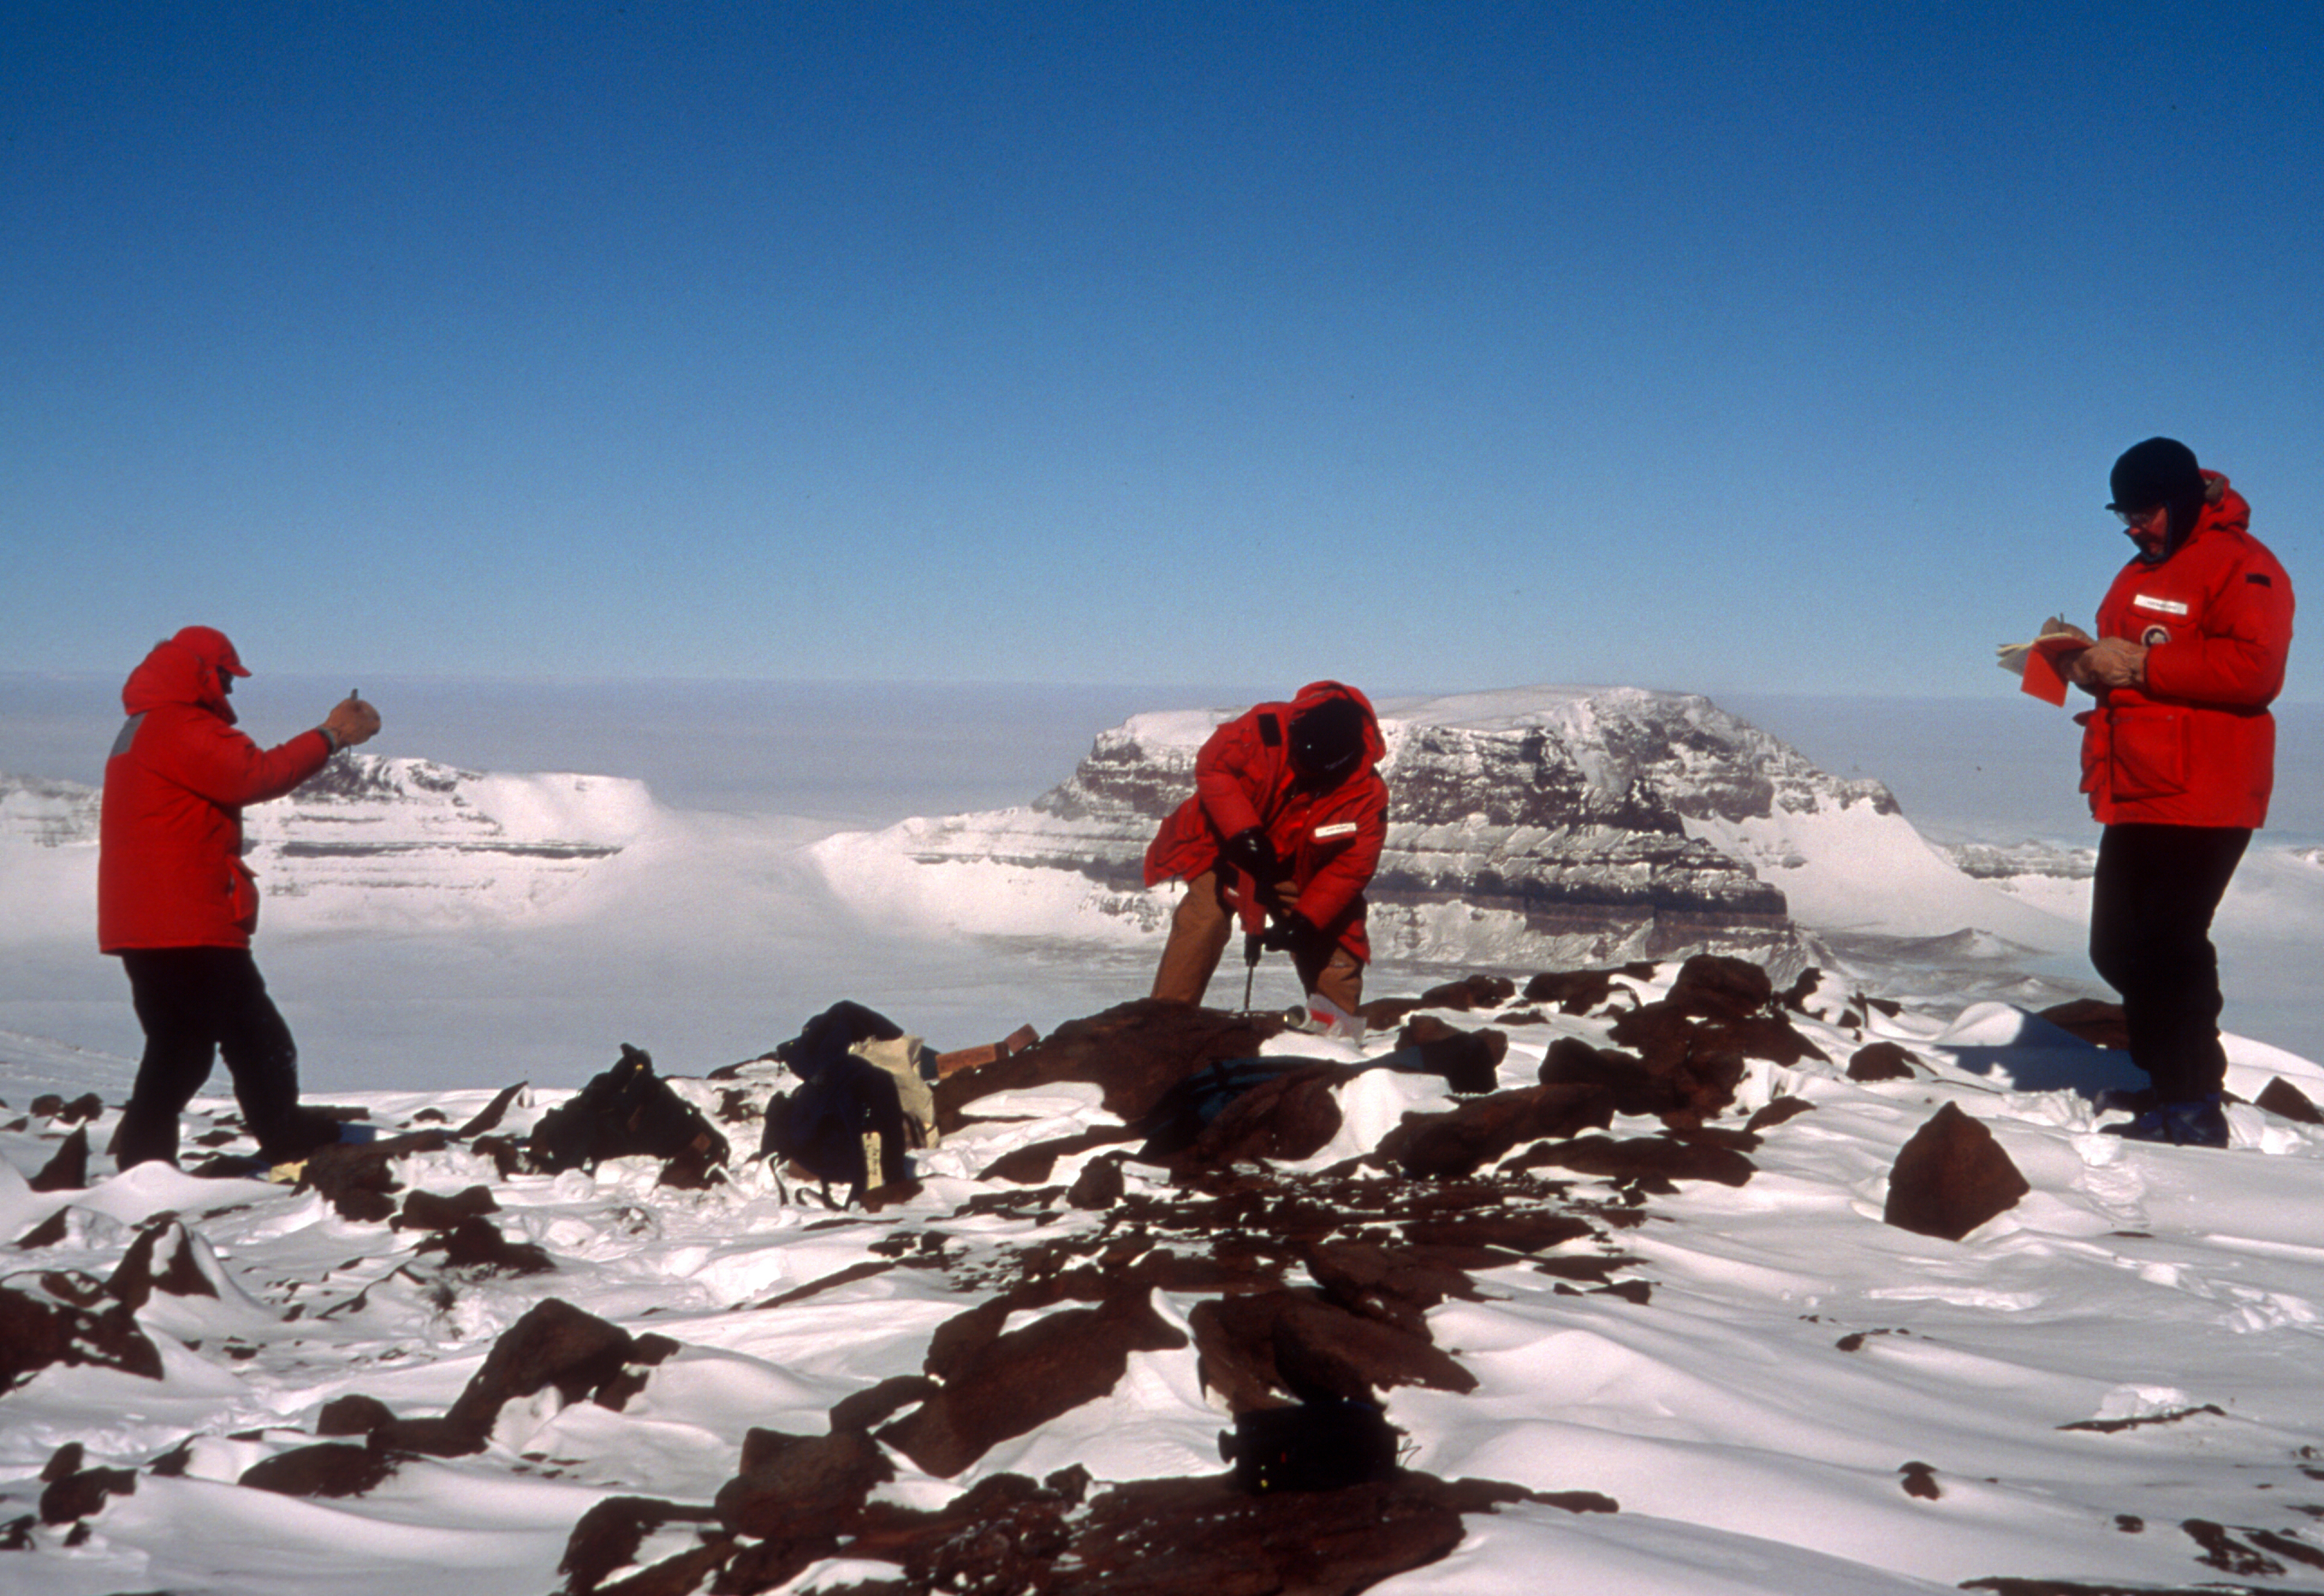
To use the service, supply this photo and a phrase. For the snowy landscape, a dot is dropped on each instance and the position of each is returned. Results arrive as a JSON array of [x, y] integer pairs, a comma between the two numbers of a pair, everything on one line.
[[1646, 1300]]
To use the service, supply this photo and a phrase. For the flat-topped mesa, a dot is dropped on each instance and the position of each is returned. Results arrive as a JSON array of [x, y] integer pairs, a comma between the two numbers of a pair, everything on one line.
[[1559, 824]]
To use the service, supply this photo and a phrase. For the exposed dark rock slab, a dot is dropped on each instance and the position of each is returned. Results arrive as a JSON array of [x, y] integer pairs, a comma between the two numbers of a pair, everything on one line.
[[867, 1409], [352, 1414], [2099, 1023], [806, 1491], [1778, 1112], [81, 1492], [1136, 1051], [356, 1177], [1459, 1142], [490, 1117], [160, 1258], [1099, 1186], [1017, 1382], [1471, 992], [1258, 1348], [434, 1211], [478, 1244], [1031, 1164], [554, 1344], [1291, 1117], [2280, 1096], [1951, 1177], [1880, 1061], [1644, 1158], [68, 1170], [38, 1330], [608, 1535], [328, 1469]]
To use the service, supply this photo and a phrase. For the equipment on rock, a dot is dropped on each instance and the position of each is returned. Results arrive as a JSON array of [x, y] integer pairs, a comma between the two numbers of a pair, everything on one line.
[[863, 1102]]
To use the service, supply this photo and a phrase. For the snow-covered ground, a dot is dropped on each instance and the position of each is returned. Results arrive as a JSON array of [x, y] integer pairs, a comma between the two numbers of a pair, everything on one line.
[[2113, 1381]]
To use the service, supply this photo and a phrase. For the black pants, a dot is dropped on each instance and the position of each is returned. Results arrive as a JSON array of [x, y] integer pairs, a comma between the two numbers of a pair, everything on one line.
[[196, 1002], [2151, 910]]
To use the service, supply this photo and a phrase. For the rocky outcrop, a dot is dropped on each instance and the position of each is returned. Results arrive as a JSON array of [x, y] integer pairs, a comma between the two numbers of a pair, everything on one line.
[[1573, 825]]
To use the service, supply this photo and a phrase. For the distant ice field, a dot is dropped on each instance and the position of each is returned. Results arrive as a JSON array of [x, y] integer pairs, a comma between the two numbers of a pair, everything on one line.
[[715, 939]]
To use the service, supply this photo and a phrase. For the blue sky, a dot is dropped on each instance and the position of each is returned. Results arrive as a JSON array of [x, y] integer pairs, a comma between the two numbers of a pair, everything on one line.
[[1771, 349]]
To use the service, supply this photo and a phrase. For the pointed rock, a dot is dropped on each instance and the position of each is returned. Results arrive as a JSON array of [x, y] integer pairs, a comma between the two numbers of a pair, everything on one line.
[[1951, 1177], [69, 1170]]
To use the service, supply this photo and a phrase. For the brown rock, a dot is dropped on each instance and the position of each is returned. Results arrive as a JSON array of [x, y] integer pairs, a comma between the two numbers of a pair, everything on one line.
[[81, 1494], [807, 1490], [1714, 985], [1574, 992], [1017, 1382], [37, 1331], [1395, 1286], [1882, 1061], [1951, 1177], [432, 1211], [1778, 1112], [1646, 1157], [329, 1468], [1921, 1481], [354, 1176], [352, 1414], [1425, 1028], [1471, 992], [1100, 1185], [554, 1344], [2100, 1024], [1031, 1164], [1457, 1143], [1260, 1347], [478, 1244], [867, 1409], [1572, 1062], [47, 1234], [490, 1117], [68, 1171], [160, 1258], [1136, 1051], [608, 1535], [1381, 1013], [2280, 1096], [1290, 1117]]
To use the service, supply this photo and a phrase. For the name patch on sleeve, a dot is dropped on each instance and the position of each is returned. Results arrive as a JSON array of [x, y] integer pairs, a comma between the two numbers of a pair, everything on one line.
[[1324, 834], [2163, 606]]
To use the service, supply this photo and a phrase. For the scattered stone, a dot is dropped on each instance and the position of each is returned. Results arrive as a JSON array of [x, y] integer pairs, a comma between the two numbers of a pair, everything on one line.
[[1135, 1051], [1471, 992], [1426, 1027], [1570, 1061], [52, 1105], [608, 1535], [356, 1177], [1031, 1164], [477, 1243], [1951, 1177], [37, 1331], [80, 1492], [1776, 1112], [1881, 1061], [328, 1469], [1291, 1117], [2100, 1024], [554, 1344], [867, 1409], [1719, 986], [1260, 1347], [1017, 1382], [2280, 1096], [68, 1171], [1455, 1144], [179, 1274], [352, 1414], [1921, 1481], [1574, 992], [2223, 1552], [1645, 1159], [805, 1490], [433, 1211], [1100, 1185], [489, 1119]]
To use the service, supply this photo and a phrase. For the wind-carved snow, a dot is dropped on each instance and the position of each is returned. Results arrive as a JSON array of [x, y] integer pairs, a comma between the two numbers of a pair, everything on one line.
[[1547, 825]]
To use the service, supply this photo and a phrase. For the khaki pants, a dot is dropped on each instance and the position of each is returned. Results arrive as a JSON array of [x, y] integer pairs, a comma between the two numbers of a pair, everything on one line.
[[1199, 932]]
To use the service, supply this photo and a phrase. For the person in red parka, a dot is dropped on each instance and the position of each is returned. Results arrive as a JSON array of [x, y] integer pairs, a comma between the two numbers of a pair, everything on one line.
[[2178, 759], [1288, 820], [176, 904]]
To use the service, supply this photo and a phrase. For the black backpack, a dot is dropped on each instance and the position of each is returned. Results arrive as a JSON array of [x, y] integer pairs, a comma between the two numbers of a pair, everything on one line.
[[626, 1110], [825, 1126]]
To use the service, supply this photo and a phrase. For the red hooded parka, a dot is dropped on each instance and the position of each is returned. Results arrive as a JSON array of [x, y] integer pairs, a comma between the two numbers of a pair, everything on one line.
[[1329, 838], [168, 866], [2196, 745]]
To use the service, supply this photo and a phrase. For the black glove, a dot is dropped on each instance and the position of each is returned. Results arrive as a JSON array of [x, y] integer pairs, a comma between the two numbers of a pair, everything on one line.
[[1288, 931], [1249, 851]]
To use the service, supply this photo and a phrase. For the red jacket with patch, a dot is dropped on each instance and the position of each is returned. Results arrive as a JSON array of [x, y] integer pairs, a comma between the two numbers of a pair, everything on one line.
[[168, 866], [1330, 838], [2196, 746]]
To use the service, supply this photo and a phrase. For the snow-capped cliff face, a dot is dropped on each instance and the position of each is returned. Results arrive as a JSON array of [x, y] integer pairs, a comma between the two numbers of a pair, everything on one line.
[[1538, 824], [399, 839]]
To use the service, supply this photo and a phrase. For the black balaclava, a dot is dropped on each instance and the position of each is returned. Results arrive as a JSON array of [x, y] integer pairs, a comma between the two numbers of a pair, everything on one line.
[[1327, 739], [2160, 471]]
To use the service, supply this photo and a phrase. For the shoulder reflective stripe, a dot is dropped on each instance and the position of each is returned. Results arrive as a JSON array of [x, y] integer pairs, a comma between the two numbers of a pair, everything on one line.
[[128, 735], [2166, 606], [1339, 828]]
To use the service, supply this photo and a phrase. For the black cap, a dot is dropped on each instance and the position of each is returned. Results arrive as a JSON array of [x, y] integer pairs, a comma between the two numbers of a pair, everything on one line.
[[1326, 740], [2160, 471]]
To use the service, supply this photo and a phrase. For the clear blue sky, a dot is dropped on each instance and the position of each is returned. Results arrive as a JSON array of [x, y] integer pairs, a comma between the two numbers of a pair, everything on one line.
[[1777, 348]]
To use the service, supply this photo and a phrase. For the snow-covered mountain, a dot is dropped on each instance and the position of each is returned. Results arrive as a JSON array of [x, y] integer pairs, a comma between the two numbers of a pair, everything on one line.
[[1534, 825], [404, 839]]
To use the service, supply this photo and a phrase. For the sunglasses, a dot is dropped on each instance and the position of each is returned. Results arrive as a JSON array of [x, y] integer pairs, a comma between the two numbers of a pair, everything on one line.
[[2138, 519]]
